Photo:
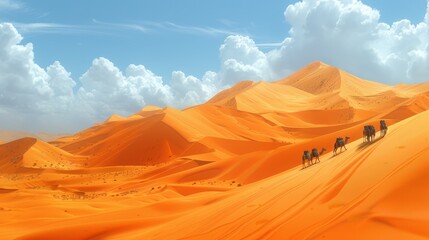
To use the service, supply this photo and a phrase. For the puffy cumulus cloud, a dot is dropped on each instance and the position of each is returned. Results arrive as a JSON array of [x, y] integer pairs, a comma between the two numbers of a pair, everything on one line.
[[241, 59], [22, 82], [60, 82], [33, 98], [349, 34], [189, 90], [143, 82], [107, 90], [29, 94]]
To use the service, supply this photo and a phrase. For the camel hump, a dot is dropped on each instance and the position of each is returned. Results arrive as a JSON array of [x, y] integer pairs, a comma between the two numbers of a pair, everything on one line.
[[314, 152], [306, 152]]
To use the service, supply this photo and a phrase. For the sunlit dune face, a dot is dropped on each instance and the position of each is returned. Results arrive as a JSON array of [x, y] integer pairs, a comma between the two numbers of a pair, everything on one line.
[[233, 167]]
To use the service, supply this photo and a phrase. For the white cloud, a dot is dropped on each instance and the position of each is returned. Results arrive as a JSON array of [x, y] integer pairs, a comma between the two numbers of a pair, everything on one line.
[[60, 81], [108, 28], [189, 90], [241, 59], [349, 34], [29, 94], [107, 90], [23, 84]]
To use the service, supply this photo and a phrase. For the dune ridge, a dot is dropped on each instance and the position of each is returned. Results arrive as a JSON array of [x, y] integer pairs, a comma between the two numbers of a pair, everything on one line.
[[231, 168]]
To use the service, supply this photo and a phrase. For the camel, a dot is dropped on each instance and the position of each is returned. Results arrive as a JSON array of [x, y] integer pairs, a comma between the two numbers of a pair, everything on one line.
[[383, 128], [340, 143], [315, 154], [306, 156], [368, 133]]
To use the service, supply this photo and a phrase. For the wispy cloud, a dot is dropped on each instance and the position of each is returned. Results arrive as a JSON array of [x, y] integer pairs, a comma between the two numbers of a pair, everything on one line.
[[95, 28], [10, 5], [42, 27], [197, 29], [101, 27], [123, 26], [168, 26]]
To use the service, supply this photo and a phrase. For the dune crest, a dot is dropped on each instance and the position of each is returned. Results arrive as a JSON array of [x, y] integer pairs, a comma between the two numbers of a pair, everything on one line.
[[28, 153], [231, 168], [114, 118]]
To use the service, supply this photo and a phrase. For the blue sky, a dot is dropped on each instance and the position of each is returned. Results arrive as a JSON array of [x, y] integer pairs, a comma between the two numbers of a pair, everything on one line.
[[93, 29], [159, 45], [65, 65]]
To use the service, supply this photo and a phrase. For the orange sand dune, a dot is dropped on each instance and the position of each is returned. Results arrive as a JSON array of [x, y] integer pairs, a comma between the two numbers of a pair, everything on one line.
[[114, 118], [315, 87], [231, 168], [259, 97], [357, 194], [262, 113], [148, 111], [410, 107], [329, 79], [33, 153]]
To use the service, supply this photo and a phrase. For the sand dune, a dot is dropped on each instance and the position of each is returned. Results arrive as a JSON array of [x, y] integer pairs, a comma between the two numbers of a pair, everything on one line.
[[361, 191], [258, 98], [330, 79], [315, 87], [33, 153], [231, 168], [148, 111], [114, 118]]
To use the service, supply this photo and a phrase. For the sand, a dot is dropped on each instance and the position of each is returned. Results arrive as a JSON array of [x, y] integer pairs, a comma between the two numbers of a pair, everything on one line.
[[231, 168]]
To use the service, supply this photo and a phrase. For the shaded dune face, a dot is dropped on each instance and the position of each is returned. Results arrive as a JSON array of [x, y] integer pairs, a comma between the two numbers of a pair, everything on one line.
[[231, 168]]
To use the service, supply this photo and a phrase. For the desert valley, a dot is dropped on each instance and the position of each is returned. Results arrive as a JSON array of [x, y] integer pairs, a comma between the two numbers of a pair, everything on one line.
[[231, 168]]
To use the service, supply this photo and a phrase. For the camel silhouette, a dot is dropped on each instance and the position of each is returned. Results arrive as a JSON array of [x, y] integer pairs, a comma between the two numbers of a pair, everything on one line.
[[306, 156], [368, 133], [383, 128], [315, 154], [340, 143]]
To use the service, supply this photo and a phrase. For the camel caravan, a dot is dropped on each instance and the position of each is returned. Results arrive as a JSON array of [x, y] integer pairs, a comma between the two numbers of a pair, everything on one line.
[[307, 156], [340, 143], [369, 131]]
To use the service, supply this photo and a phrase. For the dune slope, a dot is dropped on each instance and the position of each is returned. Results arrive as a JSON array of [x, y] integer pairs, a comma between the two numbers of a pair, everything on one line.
[[359, 194], [231, 168]]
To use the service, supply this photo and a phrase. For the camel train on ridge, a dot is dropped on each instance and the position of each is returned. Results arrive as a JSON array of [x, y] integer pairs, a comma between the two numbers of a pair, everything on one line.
[[340, 143]]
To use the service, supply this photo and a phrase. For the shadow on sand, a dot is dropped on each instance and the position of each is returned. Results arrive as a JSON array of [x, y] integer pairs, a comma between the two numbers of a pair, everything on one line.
[[338, 153], [366, 144], [303, 168]]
